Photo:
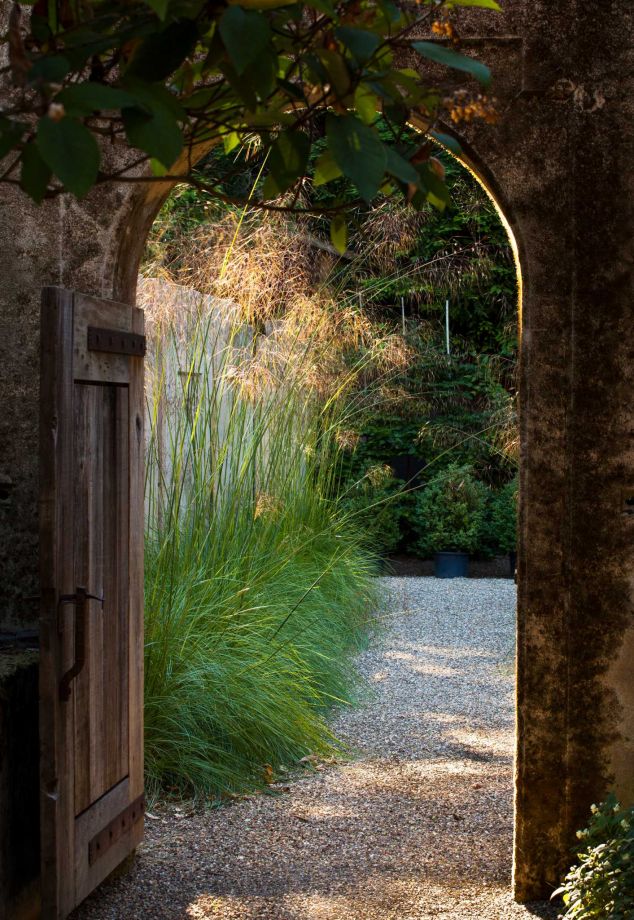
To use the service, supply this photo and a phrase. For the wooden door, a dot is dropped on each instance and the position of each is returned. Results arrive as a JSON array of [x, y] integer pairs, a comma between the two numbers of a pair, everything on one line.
[[91, 534]]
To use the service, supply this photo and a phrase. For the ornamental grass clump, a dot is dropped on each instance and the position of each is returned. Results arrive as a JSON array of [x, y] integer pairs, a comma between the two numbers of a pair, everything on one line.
[[258, 588], [601, 884]]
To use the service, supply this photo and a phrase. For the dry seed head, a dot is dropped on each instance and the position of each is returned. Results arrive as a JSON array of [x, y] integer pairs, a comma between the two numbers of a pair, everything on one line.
[[266, 504], [347, 439], [379, 475]]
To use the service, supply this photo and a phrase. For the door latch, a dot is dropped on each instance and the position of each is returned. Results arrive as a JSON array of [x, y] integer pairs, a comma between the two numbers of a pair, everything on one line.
[[80, 602]]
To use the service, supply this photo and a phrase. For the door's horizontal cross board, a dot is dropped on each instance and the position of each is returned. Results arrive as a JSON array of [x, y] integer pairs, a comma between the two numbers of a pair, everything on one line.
[[116, 341], [113, 831]]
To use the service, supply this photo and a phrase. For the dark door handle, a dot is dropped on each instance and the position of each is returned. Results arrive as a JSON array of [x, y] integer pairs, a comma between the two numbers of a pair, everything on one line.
[[80, 601]]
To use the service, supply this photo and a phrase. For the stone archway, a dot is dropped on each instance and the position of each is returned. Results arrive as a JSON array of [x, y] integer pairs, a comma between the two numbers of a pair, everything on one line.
[[558, 166]]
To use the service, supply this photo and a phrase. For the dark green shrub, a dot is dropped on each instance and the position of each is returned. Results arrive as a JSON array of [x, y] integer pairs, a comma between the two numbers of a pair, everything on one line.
[[375, 505], [499, 534], [449, 512], [504, 516], [601, 884]]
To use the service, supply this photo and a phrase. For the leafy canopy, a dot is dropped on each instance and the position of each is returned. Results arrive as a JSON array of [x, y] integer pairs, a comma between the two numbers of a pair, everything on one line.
[[166, 79]]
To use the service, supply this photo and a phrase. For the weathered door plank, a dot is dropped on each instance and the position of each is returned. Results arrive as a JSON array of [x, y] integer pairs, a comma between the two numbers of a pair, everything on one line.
[[56, 578]]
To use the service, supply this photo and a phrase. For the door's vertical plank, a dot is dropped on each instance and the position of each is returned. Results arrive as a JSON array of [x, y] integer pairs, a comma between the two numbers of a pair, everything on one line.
[[97, 447], [109, 740], [56, 578], [80, 693], [115, 613], [122, 536], [87, 690], [136, 537]]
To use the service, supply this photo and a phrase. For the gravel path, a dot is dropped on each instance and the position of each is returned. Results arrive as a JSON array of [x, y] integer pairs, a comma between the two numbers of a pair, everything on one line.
[[417, 825]]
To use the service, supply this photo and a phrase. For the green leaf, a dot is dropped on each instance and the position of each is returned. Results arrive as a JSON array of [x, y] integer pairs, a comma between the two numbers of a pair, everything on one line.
[[437, 192], [154, 95], [158, 134], [358, 152], [261, 4], [11, 133], [483, 4], [339, 233], [440, 54], [366, 103], [159, 7], [335, 71], [241, 85], [246, 35], [391, 12], [230, 141], [263, 73], [325, 169], [35, 174], [161, 53], [323, 6], [157, 167], [154, 128], [84, 98], [40, 28], [71, 151], [49, 69], [360, 43], [287, 161], [200, 98], [401, 168], [447, 141]]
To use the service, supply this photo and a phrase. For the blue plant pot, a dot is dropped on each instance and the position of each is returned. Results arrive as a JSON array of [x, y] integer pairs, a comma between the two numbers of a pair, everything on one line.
[[451, 565]]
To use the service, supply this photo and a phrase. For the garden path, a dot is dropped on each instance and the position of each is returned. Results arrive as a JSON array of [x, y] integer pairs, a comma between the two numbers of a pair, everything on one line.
[[417, 825]]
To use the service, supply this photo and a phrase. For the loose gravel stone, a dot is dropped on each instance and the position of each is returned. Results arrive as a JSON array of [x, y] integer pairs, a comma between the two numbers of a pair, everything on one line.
[[416, 824]]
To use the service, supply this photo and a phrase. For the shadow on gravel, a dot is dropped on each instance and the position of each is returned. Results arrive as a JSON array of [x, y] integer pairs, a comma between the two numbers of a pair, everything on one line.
[[547, 911]]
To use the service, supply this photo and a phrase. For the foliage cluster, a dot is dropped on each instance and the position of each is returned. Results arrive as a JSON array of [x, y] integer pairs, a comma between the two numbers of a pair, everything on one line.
[[378, 505], [601, 885], [457, 414], [258, 587], [449, 512], [500, 525], [441, 409], [164, 79], [422, 258]]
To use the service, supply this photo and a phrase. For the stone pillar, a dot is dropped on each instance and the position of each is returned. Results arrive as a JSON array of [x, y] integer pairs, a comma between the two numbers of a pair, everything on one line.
[[559, 167], [566, 173]]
